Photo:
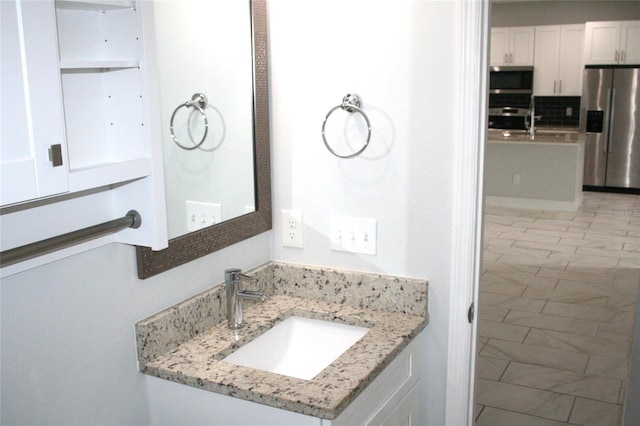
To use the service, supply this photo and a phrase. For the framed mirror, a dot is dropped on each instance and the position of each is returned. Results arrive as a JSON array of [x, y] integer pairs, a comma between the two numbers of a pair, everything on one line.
[[193, 245]]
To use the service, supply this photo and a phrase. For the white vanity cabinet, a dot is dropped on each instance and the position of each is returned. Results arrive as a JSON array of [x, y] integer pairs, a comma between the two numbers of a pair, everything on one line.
[[32, 123], [80, 119], [511, 46], [558, 60], [392, 398], [612, 43]]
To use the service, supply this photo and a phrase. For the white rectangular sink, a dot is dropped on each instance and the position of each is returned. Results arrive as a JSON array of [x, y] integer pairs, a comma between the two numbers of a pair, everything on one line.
[[298, 347]]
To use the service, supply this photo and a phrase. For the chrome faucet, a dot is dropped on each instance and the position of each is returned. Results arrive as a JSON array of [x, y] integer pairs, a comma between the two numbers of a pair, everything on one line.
[[531, 127], [235, 296]]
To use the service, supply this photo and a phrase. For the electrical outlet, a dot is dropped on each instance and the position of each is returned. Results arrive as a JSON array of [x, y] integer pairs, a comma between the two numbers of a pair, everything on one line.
[[200, 215], [569, 111], [353, 234], [292, 228], [516, 179]]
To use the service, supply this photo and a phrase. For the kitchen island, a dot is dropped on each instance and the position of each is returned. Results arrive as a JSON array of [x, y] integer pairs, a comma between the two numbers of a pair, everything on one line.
[[544, 172]]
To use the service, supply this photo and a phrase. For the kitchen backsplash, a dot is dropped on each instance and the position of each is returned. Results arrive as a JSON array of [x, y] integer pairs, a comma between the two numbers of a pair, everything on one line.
[[553, 109]]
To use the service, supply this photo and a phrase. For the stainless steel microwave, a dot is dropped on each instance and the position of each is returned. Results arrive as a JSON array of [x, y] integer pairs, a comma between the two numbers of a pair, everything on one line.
[[517, 80]]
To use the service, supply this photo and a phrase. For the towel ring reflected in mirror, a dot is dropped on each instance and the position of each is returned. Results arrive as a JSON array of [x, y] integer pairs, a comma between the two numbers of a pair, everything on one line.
[[200, 103]]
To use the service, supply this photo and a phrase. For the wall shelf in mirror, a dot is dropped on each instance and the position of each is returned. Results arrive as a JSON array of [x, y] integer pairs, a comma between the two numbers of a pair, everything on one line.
[[97, 66], [196, 244], [94, 4]]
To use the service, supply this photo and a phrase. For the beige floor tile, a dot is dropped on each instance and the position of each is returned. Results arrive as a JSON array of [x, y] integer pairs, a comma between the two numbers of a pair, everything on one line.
[[499, 330], [525, 400], [588, 412], [520, 303], [506, 267], [594, 345], [614, 368], [582, 260], [492, 314], [571, 310], [536, 355], [567, 296], [551, 248], [501, 287], [563, 381], [496, 417], [490, 368], [587, 275], [554, 259], [577, 344], [518, 251], [552, 322], [528, 280]]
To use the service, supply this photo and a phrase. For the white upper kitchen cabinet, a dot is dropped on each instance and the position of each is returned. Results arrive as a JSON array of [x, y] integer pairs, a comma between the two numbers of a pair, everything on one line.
[[612, 43], [80, 120], [558, 60], [32, 144], [511, 46]]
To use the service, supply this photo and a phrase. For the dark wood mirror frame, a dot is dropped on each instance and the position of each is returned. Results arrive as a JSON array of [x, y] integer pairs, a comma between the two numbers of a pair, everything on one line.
[[200, 243]]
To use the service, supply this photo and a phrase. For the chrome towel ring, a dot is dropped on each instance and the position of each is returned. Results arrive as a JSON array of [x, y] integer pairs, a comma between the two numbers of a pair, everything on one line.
[[199, 102], [350, 103]]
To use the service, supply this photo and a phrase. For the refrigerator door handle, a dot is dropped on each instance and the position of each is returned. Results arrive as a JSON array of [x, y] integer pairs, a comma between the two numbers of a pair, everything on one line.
[[612, 108]]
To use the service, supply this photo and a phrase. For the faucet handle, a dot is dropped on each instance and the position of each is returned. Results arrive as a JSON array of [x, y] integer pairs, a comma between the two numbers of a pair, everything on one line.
[[235, 274]]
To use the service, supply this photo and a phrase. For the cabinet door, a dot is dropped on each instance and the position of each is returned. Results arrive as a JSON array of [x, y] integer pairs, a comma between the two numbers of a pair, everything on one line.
[[407, 412], [32, 119], [602, 42], [630, 42], [571, 65], [521, 45], [546, 60], [499, 48]]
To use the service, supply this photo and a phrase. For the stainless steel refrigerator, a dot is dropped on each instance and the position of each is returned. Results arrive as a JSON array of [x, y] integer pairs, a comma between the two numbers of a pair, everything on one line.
[[610, 118]]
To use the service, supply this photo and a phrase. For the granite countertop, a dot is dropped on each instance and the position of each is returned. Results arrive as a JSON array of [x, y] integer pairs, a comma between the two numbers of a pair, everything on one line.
[[542, 135], [187, 342]]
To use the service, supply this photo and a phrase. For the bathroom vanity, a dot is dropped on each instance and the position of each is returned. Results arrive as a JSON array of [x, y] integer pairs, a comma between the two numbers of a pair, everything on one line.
[[374, 381]]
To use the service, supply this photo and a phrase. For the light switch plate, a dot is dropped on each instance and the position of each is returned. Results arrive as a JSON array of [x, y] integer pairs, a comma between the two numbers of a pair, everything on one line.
[[353, 234], [201, 215]]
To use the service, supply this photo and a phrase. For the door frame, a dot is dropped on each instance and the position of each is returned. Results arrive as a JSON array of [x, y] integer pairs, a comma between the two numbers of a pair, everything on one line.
[[468, 210]]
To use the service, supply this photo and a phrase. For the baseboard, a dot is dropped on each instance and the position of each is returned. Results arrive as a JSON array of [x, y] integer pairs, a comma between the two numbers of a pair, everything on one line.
[[534, 204]]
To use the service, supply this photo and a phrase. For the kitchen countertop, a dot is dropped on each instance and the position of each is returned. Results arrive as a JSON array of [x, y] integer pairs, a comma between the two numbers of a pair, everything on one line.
[[187, 342], [543, 135]]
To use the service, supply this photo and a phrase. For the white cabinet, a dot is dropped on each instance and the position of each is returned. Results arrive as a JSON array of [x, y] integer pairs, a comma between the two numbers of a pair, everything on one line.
[[511, 46], [393, 398], [32, 123], [558, 60], [612, 43], [80, 119]]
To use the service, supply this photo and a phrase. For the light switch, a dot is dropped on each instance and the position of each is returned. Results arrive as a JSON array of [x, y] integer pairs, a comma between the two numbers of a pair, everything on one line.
[[353, 234]]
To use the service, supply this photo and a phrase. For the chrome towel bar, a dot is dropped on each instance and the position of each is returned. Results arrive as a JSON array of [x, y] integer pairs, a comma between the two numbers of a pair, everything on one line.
[[18, 254]]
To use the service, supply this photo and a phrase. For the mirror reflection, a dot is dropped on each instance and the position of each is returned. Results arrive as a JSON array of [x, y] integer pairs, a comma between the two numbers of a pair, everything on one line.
[[204, 46]]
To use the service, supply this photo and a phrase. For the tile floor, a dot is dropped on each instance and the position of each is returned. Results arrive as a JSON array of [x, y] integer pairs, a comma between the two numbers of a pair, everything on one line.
[[557, 308]]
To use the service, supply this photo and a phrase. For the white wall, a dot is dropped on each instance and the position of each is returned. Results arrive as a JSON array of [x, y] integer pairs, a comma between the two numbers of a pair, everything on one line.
[[400, 57], [68, 343]]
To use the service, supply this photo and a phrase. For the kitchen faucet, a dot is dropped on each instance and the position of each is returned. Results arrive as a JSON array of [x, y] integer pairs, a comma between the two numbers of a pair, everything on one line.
[[531, 127], [235, 296]]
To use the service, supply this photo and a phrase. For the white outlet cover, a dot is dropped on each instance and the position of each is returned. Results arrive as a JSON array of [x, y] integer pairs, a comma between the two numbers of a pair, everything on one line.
[[292, 228]]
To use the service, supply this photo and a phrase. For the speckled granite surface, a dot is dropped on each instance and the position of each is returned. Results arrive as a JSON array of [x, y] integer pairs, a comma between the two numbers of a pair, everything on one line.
[[187, 342]]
